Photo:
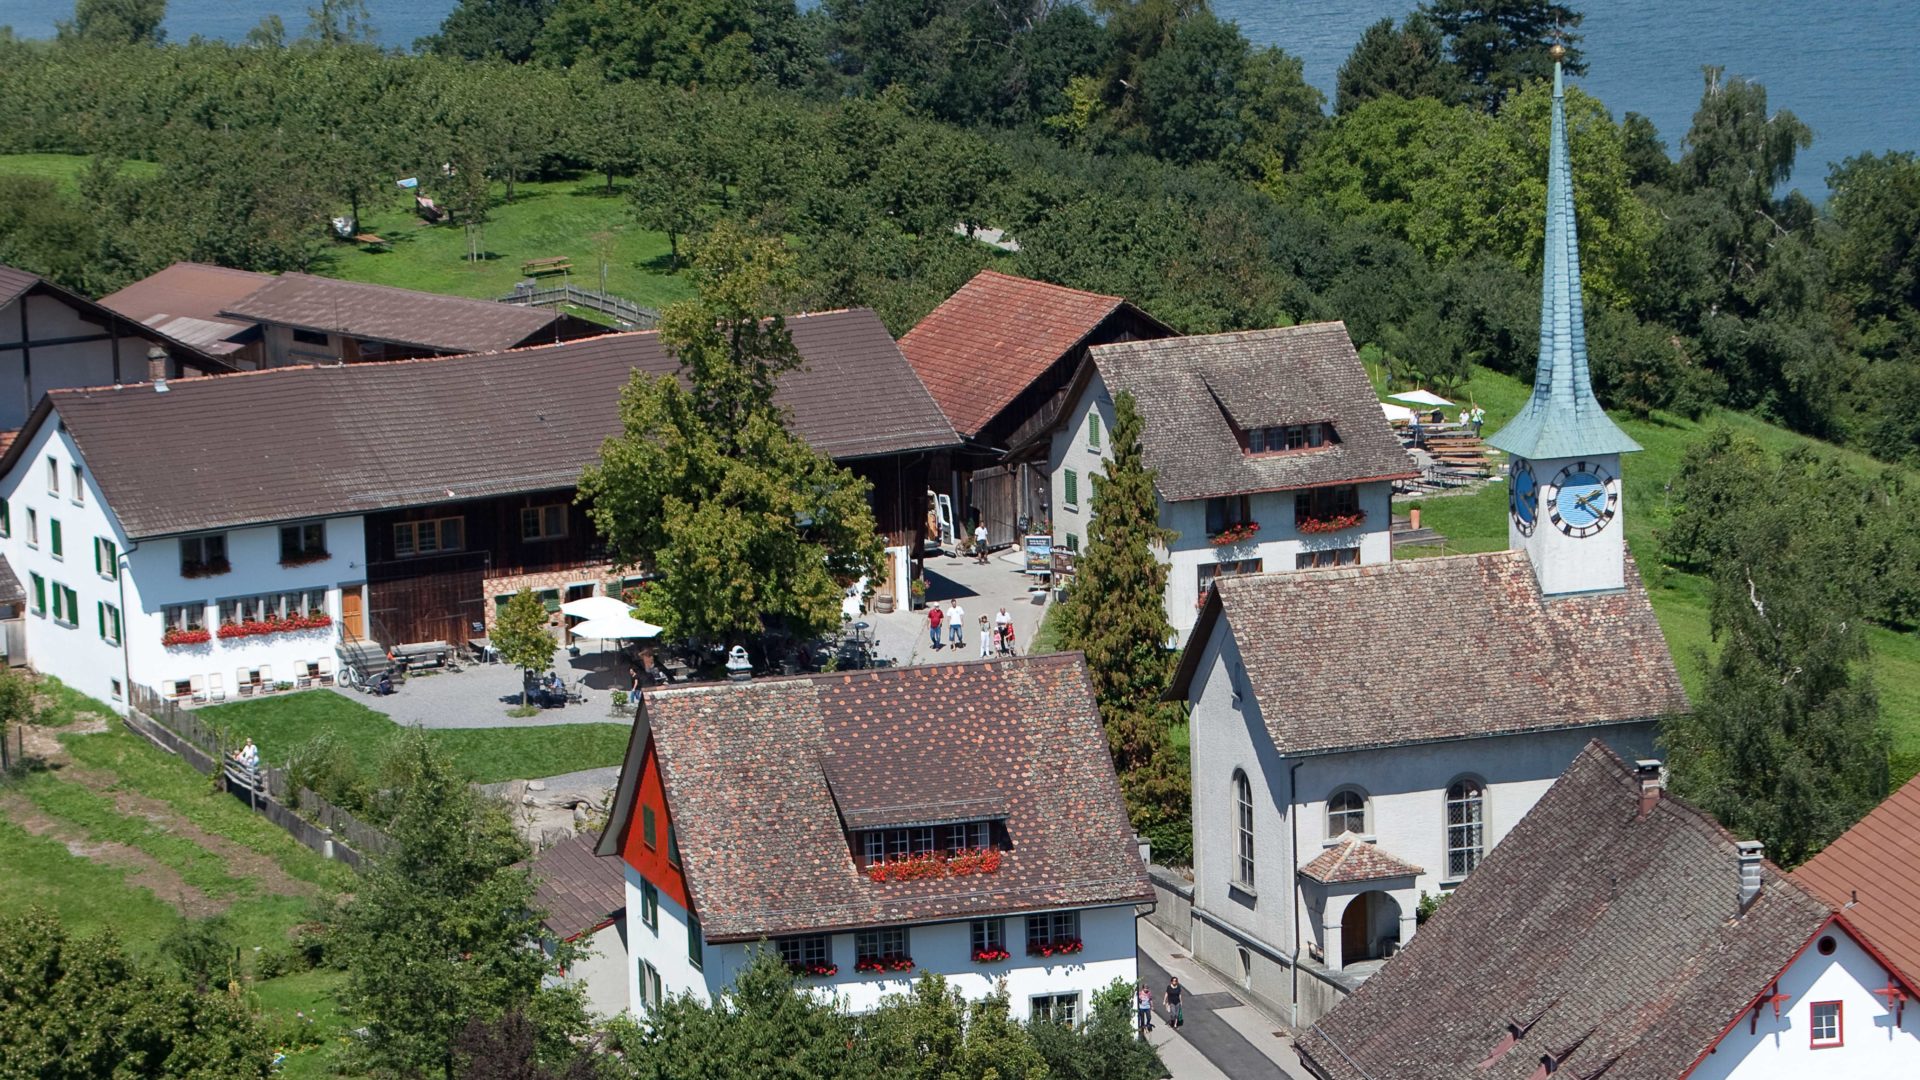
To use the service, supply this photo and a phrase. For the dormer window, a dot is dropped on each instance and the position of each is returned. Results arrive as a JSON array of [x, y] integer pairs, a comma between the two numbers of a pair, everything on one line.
[[1273, 440], [879, 845]]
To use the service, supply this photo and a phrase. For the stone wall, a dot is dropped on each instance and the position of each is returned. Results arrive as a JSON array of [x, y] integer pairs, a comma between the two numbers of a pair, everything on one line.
[[506, 584], [1172, 904]]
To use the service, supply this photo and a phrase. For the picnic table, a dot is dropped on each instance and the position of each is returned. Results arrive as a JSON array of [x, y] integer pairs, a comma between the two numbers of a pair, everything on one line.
[[370, 239], [558, 264]]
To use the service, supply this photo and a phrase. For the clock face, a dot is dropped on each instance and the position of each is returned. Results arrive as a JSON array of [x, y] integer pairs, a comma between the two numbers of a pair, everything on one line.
[[1523, 498], [1583, 498]]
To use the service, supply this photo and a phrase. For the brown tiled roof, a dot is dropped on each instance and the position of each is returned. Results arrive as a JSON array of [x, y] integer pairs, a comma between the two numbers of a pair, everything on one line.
[[14, 281], [1611, 938], [1353, 859], [185, 300], [764, 846], [384, 313], [987, 342], [191, 354], [1194, 391], [308, 441], [1361, 647], [11, 591], [1873, 871], [578, 891]]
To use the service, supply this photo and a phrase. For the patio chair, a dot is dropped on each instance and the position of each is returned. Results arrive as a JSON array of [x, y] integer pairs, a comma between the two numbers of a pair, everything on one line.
[[243, 682], [199, 693], [215, 691], [326, 671]]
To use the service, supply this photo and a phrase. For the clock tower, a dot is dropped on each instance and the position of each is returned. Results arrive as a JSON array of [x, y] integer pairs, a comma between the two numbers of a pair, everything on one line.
[[1564, 497]]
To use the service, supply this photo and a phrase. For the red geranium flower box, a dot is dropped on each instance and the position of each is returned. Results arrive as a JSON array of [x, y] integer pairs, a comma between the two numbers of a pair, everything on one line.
[[991, 956], [879, 964], [1057, 947], [817, 971], [175, 637], [1336, 523], [275, 625], [1234, 534], [936, 864]]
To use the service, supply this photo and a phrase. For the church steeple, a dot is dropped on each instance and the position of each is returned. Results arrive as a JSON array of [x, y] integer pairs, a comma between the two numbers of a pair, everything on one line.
[[1562, 419]]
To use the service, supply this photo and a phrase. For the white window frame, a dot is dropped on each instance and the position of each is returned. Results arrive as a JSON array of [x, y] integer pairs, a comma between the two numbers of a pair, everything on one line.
[[53, 477], [806, 950], [1054, 925], [1838, 1036], [184, 616], [1243, 828], [881, 943], [111, 631], [1365, 811], [1051, 1006], [1466, 840], [986, 934], [79, 495]]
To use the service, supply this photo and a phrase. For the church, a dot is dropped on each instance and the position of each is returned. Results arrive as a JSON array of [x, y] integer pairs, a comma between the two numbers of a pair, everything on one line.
[[1363, 736]]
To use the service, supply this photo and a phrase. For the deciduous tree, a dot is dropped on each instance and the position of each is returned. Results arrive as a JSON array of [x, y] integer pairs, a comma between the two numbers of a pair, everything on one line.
[[748, 526], [521, 636], [115, 22]]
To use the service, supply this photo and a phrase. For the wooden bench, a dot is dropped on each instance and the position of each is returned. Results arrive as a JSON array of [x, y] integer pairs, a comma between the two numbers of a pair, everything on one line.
[[559, 264]]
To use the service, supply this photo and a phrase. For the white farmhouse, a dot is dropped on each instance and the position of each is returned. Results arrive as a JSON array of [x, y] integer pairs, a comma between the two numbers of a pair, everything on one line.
[[1269, 450], [956, 818], [1620, 933], [170, 599]]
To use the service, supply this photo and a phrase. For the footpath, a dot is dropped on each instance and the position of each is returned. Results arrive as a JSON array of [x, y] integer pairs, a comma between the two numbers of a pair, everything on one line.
[[1223, 1037]]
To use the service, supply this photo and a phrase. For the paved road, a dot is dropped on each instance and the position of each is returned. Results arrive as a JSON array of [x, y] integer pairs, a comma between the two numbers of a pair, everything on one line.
[[1222, 1037]]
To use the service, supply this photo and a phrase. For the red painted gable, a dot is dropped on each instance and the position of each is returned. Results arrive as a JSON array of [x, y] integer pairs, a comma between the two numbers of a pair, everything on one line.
[[653, 863]]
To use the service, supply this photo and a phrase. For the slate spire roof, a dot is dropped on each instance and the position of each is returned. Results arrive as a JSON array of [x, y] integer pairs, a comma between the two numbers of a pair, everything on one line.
[[1562, 418]]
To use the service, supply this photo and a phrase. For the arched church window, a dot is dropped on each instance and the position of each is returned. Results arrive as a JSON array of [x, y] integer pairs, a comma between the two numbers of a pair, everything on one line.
[[1466, 826], [1346, 812], [1243, 821]]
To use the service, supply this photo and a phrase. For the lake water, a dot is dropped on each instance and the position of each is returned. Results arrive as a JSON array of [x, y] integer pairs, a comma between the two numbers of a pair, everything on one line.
[[1847, 68]]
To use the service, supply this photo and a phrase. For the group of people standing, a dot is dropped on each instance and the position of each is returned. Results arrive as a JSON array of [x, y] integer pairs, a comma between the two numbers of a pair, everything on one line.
[[996, 634], [1143, 1005]]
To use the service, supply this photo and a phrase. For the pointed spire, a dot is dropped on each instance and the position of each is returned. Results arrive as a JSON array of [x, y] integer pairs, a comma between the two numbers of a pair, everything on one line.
[[1562, 418]]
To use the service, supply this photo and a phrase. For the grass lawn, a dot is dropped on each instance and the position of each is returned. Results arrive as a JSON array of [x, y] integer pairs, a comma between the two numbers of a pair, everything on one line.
[[115, 815], [578, 218], [284, 722], [1478, 522]]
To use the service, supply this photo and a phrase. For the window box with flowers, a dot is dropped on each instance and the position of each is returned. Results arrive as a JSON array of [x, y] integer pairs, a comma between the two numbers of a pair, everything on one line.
[[814, 971], [276, 624], [881, 964], [935, 864], [1331, 524], [1066, 946], [177, 637], [991, 956], [1235, 534], [209, 568]]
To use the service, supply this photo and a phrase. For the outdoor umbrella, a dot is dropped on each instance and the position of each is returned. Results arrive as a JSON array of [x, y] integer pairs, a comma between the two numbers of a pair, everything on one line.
[[620, 627], [596, 607], [1396, 412], [1422, 397]]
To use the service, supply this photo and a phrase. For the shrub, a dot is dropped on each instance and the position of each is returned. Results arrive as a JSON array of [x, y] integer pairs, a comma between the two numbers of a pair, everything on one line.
[[326, 766]]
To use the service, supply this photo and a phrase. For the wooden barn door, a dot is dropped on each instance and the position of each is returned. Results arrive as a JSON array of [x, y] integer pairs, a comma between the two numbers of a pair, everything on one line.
[[996, 496]]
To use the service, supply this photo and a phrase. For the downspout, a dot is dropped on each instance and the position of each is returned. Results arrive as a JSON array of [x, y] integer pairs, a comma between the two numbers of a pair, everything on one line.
[[122, 567], [1293, 826]]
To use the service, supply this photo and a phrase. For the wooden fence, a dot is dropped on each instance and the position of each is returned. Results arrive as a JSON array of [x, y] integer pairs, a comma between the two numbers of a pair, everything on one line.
[[629, 314], [306, 815]]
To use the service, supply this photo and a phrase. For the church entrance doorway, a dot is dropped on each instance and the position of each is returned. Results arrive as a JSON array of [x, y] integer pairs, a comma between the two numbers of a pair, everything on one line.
[[1368, 927]]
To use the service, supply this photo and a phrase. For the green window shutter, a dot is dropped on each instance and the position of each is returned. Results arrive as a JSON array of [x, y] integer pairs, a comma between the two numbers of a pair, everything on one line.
[[100, 611], [1093, 430], [646, 826], [113, 560], [1073, 488], [57, 549], [39, 595], [73, 606], [649, 905], [696, 948]]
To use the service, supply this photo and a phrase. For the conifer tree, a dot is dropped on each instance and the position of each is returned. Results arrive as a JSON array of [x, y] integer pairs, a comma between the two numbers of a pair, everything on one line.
[[1116, 613]]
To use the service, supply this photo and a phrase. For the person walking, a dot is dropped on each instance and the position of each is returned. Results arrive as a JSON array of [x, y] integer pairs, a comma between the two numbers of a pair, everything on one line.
[[1479, 417], [980, 542], [956, 625], [1143, 1005], [1175, 1017], [985, 637], [933, 623]]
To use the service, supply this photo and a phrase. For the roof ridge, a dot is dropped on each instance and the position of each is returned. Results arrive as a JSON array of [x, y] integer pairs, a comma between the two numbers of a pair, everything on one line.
[[1053, 659], [1002, 274]]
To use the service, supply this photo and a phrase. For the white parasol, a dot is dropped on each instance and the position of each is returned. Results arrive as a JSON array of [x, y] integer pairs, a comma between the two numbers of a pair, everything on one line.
[[1422, 397], [621, 627], [597, 607]]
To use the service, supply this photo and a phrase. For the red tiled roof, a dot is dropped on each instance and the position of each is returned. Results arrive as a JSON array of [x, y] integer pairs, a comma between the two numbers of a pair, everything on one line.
[[747, 770], [578, 891], [1877, 864], [987, 342], [1514, 660], [1353, 859], [1612, 939]]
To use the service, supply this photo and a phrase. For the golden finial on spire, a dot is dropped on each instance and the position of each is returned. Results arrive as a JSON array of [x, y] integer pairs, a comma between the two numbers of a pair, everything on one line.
[[1558, 52]]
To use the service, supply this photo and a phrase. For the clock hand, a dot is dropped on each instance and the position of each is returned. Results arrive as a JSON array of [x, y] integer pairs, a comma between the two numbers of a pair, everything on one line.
[[1583, 501]]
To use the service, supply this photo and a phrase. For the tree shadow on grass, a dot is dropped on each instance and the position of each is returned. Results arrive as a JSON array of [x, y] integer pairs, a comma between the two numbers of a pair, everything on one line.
[[659, 264]]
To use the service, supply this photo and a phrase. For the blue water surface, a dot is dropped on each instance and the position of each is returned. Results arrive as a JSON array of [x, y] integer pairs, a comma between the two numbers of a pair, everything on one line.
[[1846, 67]]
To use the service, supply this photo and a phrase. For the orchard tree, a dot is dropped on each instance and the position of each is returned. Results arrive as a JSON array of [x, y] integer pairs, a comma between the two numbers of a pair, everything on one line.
[[521, 637], [490, 30], [79, 1008], [746, 524], [115, 22], [443, 928]]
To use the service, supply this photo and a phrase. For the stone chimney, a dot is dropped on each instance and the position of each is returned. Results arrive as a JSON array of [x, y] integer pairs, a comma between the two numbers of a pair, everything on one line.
[[1751, 852], [1647, 771], [157, 368]]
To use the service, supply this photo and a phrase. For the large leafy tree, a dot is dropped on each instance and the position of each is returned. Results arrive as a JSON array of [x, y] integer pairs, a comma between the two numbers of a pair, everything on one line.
[[1501, 45], [747, 525], [490, 30], [1408, 60], [1116, 613], [115, 22], [1785, 742], [444, 928], [521, 636], [712, 43], [79, 1008]]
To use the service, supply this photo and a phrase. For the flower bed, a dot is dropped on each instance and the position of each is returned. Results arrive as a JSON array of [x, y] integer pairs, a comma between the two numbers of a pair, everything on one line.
[[991, 956], [205, 569], [277, 625], [1057, 947], [816, 971], [1331, 524], [897, 962], [1234, 534], [936, 864], [175, 637]]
